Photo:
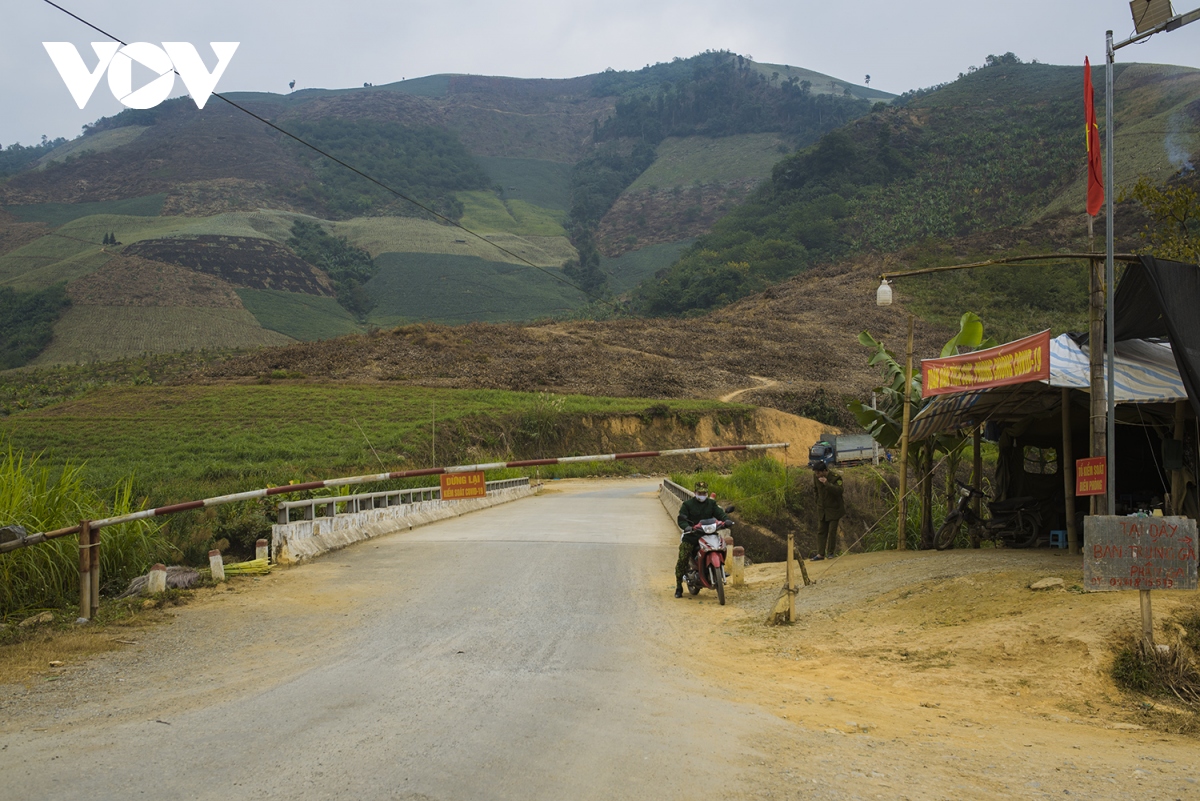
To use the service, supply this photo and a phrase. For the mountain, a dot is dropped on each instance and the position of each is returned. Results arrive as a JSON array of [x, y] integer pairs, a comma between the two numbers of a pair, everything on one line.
[[545, 169], [995, 158]]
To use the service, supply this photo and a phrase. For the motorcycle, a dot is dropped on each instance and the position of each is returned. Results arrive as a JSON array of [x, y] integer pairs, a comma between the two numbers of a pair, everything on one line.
[[706, 567], [1016, 522]]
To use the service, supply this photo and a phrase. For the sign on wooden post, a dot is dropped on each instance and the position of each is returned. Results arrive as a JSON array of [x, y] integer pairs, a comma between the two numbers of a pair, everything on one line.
[[1139, 553]]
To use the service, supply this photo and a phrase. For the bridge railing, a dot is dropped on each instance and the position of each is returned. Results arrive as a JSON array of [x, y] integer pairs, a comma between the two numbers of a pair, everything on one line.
[[352, 504]]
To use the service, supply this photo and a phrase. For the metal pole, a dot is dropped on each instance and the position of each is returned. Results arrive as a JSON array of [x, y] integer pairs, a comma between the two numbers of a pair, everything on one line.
[[1109, 279], [903, 508], [1096, 424]]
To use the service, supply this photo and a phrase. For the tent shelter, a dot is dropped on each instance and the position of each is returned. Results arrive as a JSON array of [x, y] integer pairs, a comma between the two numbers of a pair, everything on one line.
[[1157, 367]]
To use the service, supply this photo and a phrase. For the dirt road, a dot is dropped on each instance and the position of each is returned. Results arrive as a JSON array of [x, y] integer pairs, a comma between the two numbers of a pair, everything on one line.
[[533, 651]]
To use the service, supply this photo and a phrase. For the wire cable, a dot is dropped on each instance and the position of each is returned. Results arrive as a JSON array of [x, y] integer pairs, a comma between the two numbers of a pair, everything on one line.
[[362, 174]]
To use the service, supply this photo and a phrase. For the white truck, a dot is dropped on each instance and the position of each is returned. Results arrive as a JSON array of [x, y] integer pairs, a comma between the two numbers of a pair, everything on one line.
[[842, 450]]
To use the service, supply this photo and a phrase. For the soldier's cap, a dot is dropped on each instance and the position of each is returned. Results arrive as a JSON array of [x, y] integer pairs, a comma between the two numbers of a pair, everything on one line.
[[701, 486], [820, 467]]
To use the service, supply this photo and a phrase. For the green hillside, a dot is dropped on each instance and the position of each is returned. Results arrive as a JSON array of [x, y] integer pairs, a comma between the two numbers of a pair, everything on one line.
[[536, 181], [416, 287], [703, 159], [298, 316], [991, 152], [629, 269]]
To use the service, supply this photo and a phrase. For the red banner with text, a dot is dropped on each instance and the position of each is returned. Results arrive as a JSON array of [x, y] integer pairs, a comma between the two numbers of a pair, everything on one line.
[[1017, 362]]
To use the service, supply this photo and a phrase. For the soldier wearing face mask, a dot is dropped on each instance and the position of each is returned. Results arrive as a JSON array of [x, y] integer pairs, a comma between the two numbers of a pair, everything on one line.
[[699, 507]]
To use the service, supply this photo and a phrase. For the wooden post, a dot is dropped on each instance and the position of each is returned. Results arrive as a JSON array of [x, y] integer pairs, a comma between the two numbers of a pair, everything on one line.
[[1067, 465], [791, 586], [1147, 621], [1099, 406], [85, 570], [977, 471], [902, 525], [1178, 485], [94, 570]]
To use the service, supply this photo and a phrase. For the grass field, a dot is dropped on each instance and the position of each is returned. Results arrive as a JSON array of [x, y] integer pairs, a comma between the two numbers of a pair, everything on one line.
[[184, 442], [537, 181], [484, 212], [683, 161], [69, 252], [302, 317], [379, 235], [93, 143], [105, 333], [630, 269], [57, 214], [412, 287]]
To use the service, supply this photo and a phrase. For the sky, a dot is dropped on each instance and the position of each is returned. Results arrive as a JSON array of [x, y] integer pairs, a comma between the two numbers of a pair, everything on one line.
[[901, 44]]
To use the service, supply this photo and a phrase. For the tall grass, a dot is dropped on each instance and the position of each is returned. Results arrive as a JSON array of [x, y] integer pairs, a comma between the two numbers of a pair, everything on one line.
[[42, 499], [760, 488]]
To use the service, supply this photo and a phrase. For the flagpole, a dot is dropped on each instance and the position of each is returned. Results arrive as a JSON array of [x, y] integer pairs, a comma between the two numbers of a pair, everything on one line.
[[1110, 317]]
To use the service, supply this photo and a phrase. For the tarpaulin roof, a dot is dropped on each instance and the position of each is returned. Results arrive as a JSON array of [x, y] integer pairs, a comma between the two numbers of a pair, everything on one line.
[[1145, 373]]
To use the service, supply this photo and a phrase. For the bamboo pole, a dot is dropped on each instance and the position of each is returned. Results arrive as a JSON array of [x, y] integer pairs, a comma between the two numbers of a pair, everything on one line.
[[1147, 620], [902, 524], [94, 581], [1178, 486], [1068, 471], [791, 583], [977, 476], [85, 571]]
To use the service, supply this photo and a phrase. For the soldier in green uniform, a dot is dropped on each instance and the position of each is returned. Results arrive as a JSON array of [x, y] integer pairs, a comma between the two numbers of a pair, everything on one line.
[[830, 508], [696, 508]]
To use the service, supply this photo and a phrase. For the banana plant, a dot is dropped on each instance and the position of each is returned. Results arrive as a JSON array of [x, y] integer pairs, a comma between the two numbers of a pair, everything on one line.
[[884, 423]]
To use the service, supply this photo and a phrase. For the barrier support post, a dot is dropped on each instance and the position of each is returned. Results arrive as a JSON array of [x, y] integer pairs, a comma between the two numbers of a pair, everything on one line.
[[94, 571], [85, 570]]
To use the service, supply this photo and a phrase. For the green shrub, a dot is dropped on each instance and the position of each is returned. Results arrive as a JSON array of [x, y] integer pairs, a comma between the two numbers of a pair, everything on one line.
[[47, 575]]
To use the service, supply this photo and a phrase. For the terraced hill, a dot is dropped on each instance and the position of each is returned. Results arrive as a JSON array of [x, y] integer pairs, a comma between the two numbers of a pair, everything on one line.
[[217, 193]]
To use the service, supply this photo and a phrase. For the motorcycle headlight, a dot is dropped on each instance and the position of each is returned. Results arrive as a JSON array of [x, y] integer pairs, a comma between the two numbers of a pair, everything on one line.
[[710, 529]]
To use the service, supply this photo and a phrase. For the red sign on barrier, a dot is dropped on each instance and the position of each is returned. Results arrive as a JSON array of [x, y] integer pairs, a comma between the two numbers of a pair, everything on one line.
[[458, 486], [1091, 476]]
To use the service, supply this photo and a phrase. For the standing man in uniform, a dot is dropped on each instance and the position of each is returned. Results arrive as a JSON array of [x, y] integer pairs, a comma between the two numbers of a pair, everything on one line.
[[830, 508], [696, 508]]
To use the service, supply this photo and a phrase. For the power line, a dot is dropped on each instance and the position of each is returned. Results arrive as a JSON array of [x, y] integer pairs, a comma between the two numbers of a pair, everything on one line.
[[359, 172]]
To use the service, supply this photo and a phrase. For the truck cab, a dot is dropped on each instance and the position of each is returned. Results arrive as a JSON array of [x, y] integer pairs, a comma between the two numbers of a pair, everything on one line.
[[821, 453]]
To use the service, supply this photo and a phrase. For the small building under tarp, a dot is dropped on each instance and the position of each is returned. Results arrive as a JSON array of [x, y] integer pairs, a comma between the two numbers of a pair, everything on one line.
[[1157, 426], [1026, 421]]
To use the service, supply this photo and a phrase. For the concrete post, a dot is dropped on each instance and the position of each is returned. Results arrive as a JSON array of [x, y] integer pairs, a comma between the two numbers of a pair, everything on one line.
[[158, 580], [216, 565], [260, 549], [737, 573]]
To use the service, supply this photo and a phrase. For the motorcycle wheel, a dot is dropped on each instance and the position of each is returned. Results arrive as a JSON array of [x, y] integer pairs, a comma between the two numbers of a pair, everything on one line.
[[694, 586], [1027, 535], [718, 575], [948, 533]]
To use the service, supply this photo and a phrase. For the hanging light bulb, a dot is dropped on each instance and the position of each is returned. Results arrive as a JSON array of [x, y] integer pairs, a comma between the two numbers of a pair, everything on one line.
[[883, 295]]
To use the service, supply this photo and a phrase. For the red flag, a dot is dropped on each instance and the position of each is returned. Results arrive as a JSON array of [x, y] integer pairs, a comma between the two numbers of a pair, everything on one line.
[[1095, 183]]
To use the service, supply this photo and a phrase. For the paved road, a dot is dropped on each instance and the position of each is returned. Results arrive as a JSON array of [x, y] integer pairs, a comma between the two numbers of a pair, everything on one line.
[[515, 653]]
